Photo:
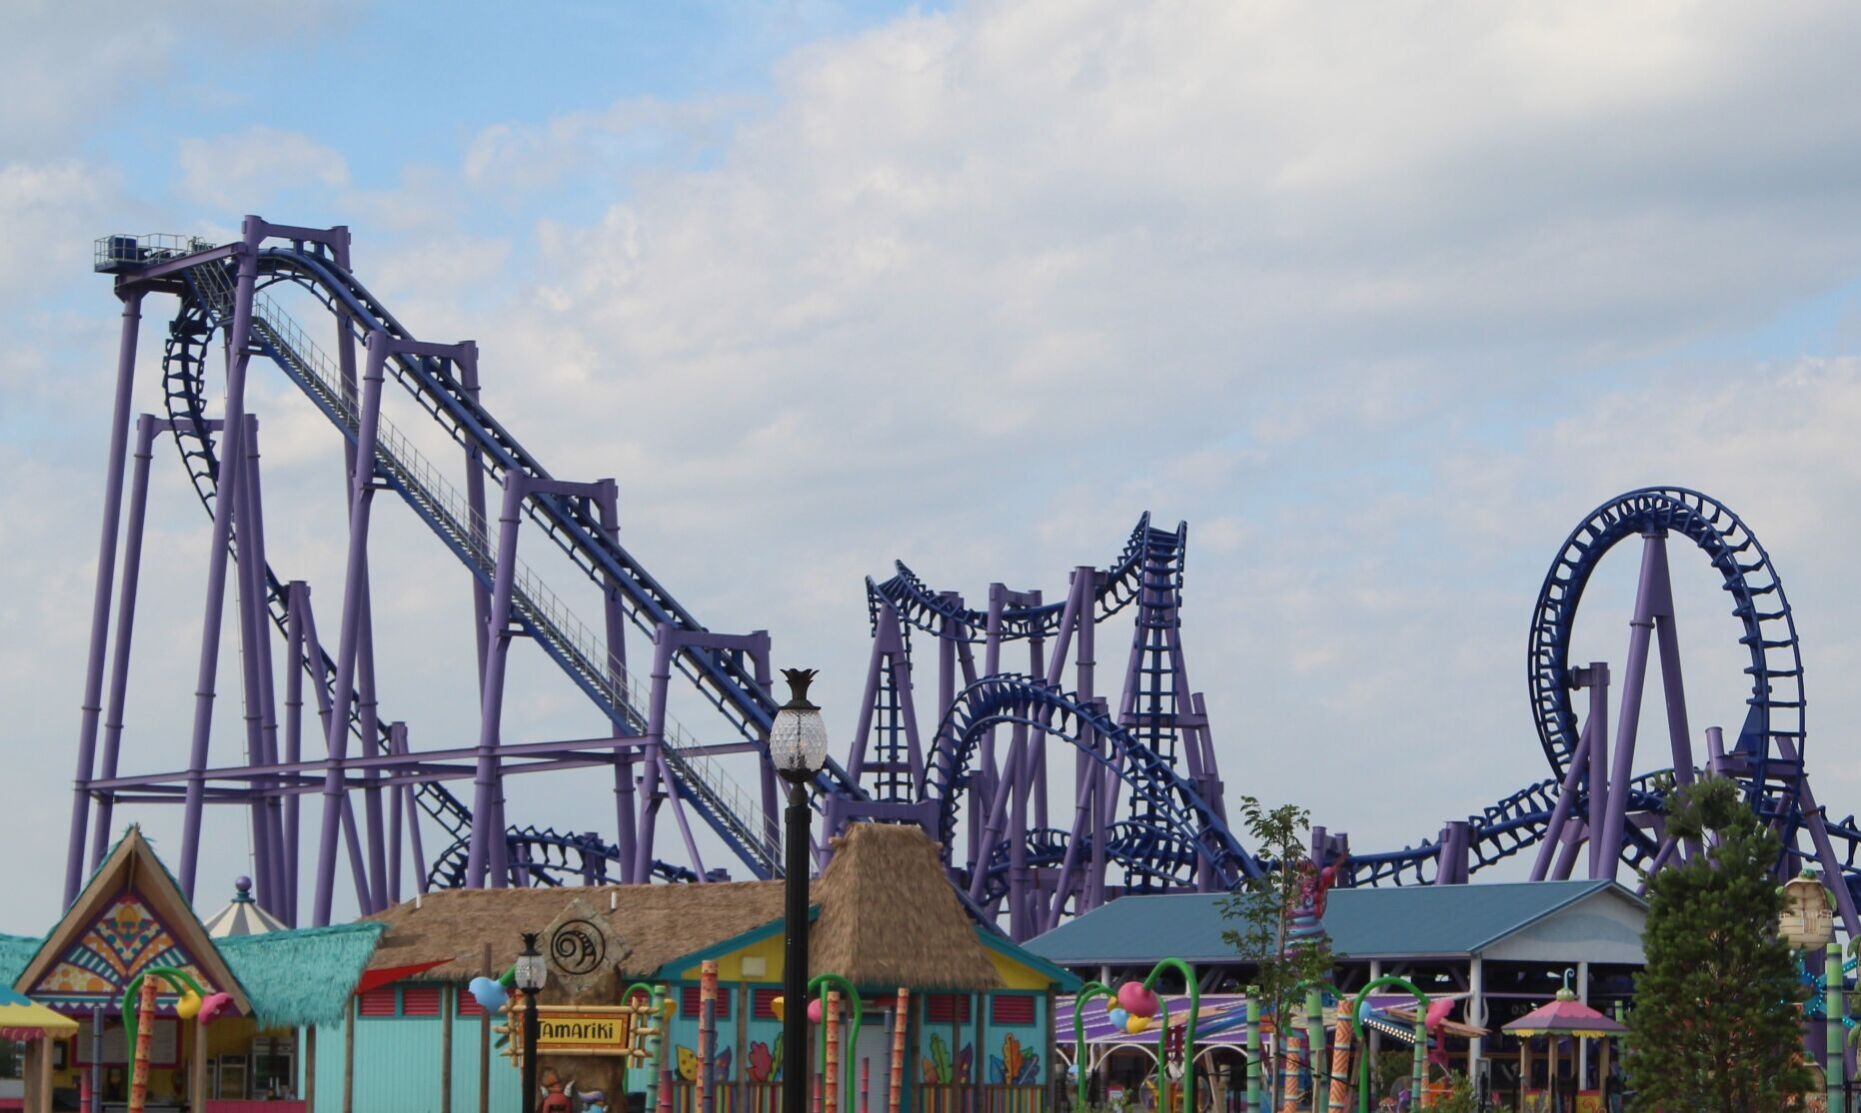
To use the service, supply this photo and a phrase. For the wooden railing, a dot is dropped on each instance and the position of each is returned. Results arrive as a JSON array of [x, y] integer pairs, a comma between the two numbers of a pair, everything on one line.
[[992, 1097]]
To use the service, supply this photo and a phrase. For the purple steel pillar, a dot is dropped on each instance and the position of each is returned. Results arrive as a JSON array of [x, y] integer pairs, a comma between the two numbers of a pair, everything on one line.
[[368, 718], [100, 597], [1667, 639], [486, 863], [125, 625], [396, 798], [607, 506], [294, 594], [475, 497], [249, 602], [268, 692], [348, 641], [1648, 597], [1596, 679], [237, 355], [651, 765], [1566, 801]]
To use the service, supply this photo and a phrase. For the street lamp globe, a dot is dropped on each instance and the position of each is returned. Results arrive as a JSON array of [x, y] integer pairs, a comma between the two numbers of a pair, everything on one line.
[[531, 971], [798, 737]]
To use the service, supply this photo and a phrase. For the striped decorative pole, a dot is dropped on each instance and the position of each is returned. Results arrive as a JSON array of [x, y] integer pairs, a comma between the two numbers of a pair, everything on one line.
[[1835, 1008], [1315, 1045], [1341, 1039], [707, 1035], [661, 1070], [865, 1085], [1421, 1056], [145, 1027], [901, 1020], [830, 1080]]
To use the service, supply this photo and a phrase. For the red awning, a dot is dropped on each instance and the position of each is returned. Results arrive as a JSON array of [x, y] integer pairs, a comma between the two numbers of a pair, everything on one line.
[[375, 979]]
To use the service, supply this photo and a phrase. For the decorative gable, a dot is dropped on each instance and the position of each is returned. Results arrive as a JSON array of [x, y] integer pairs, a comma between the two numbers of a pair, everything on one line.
[[126, 939]]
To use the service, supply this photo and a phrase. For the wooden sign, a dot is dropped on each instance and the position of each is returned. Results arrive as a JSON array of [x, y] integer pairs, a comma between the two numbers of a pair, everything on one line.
[[609, 1030], [581, 948], [569, 1030]]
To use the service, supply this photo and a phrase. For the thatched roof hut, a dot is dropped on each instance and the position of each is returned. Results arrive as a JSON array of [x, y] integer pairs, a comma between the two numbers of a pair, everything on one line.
[[457, 928], [886, 916]]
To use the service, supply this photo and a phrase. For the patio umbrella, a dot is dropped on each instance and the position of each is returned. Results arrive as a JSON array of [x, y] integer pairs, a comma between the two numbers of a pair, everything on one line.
[[22, 1018]]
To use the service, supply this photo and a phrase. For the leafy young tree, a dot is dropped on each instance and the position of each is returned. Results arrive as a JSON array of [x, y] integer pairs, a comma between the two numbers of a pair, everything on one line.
[[1262, 906], [1718, 1023]]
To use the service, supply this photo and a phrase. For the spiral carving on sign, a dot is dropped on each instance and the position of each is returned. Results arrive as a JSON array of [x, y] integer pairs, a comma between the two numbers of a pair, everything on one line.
[[578, 947]]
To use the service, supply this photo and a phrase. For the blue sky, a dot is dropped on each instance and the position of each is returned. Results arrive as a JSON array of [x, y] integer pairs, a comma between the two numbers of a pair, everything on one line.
[[1381, 301]]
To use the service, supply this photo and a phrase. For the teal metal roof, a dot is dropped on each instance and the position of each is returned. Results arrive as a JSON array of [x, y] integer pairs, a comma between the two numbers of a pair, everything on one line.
[[1411, 922]]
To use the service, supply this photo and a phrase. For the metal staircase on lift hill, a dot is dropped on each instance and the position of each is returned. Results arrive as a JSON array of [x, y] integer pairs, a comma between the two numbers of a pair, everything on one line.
[[719, 800]]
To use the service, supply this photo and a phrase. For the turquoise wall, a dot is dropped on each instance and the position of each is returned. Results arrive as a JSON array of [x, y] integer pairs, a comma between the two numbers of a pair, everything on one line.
[[397, 1067]]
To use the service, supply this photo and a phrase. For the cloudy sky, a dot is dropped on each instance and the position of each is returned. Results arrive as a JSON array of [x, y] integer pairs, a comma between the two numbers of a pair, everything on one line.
[[1380, 299]]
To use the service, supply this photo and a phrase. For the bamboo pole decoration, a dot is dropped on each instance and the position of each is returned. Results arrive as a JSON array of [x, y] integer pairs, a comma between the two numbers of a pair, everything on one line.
[[901, 1020], [484, 1041], [1253, 1049], [661, 1072], [449, 1005], [139, 1070], [1296, 1044], [707, 1033], [830, 1082], [1341, 1037], [1315, 1044]]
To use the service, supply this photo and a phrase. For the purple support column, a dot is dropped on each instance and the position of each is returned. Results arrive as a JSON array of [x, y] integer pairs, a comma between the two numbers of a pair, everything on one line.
[[1653, 559], [1566, 801], [1667, 638], [395, 800], [249, 605], [397, 741], [100, 597], [607, 507], [237, 355], [125, 626], [267, 692], [348, 642], [368, 718], [1596, 726], [649, 751], [295, 592], [467, 362], [485, 865]]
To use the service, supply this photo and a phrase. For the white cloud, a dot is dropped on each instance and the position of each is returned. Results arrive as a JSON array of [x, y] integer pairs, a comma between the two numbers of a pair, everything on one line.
[[242, 171]]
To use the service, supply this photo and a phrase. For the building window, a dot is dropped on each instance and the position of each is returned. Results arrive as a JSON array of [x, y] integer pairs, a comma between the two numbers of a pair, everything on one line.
[[689, 1002], [377, 1002], [947, 1008], [762, 1003], [1011, 1008], [420, 1000], [469, 1006]]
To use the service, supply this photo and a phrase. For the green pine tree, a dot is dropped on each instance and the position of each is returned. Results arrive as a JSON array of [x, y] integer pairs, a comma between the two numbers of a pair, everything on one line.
[[1718, 1021]]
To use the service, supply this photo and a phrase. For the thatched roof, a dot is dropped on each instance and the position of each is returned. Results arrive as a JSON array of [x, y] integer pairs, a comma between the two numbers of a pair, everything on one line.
[[303, 976], [658, 922], [888, 917]]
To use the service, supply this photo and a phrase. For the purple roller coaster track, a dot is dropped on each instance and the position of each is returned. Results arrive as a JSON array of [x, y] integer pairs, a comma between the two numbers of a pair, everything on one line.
[[1146, 811]]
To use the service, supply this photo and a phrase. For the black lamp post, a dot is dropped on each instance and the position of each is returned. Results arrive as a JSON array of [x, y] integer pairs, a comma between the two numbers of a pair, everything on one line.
[[531, 973], [798, 748]]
